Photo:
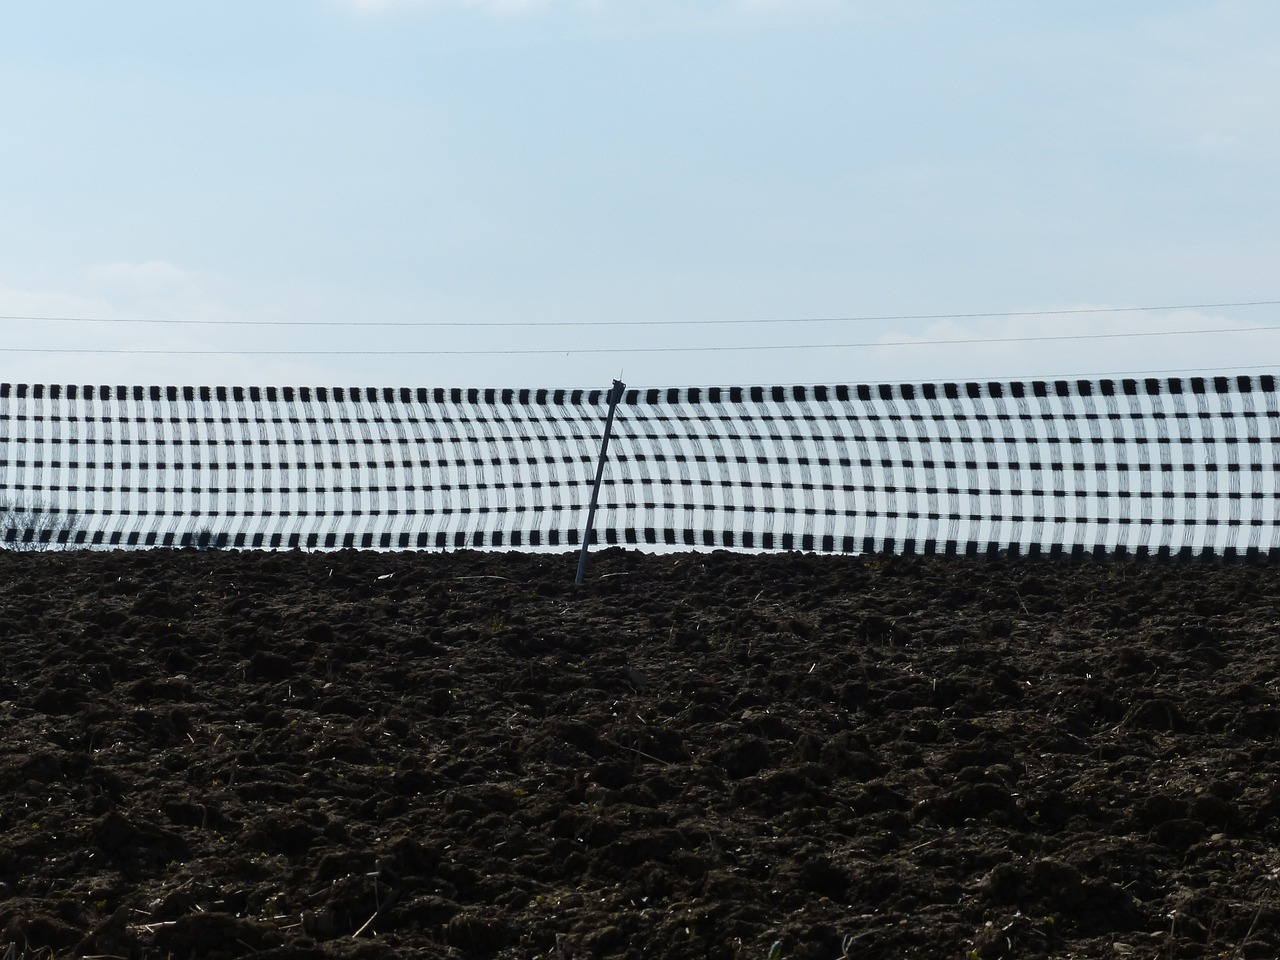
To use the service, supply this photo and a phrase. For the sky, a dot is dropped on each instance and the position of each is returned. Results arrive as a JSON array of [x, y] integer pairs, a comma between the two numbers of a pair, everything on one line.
[[558, 193]]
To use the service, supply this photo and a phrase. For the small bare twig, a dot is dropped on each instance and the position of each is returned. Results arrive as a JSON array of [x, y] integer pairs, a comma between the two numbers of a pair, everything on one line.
[[647, 756], [364, 926]]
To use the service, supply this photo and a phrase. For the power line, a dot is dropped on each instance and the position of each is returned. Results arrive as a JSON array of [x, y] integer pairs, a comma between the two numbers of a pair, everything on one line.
[[1028, 378], [1180, 371], [1081, 311], [733, 348]]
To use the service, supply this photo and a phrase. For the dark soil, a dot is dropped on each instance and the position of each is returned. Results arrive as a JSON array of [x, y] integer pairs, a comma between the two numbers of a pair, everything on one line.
[[695, 756]]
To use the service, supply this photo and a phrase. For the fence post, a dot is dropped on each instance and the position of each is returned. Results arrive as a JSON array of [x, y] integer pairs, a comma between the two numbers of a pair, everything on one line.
[[615, 395]]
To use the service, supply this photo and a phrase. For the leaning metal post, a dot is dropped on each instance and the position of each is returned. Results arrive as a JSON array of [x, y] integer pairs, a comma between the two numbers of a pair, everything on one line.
[[615, 395]]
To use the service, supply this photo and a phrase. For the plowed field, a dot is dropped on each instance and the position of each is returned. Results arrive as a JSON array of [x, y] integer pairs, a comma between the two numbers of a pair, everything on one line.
[[697, 756]]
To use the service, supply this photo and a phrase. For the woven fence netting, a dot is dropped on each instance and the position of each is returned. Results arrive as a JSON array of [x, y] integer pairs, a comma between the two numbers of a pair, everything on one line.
[[1163, 467]]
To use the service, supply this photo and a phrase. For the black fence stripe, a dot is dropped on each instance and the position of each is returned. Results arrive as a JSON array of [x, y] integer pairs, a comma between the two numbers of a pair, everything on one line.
[[1255, 438]]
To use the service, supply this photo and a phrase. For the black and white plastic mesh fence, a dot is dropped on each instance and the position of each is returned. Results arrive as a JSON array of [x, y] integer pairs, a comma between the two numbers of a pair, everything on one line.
[[1168, 467]]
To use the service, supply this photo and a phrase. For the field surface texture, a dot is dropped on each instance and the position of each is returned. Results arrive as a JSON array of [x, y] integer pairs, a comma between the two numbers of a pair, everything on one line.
[[696, 756]]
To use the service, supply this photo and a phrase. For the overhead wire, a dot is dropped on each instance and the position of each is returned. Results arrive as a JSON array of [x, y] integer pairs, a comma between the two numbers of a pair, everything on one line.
[[525, 324], [1055, 375], [718, 348]]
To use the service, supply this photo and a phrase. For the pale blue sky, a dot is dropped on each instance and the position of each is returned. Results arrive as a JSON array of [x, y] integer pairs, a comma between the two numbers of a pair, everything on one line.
[[472, 162]]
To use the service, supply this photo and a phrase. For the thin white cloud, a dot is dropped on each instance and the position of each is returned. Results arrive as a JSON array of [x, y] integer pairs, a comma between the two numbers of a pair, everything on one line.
[[147, 273], [1172, 341], [785, 5], [492, 6], [519, 6], [1214, 84], [34, 350], [23, 304]]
